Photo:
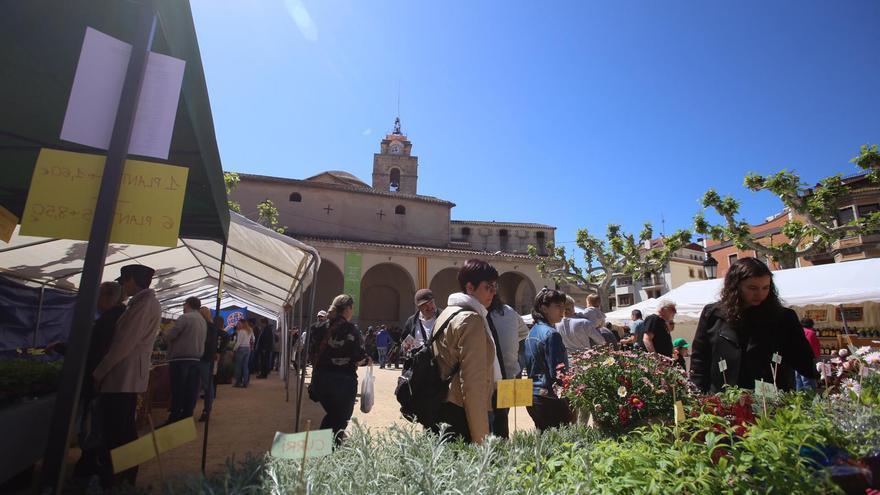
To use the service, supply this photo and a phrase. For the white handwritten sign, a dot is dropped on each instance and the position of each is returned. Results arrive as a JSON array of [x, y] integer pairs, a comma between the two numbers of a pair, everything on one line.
[[295, 445]]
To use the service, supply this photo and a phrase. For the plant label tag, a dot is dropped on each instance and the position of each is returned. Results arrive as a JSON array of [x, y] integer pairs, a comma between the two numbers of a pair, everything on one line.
[[776, 358], [679, 412], [722, 365], [765, 389], [316, 443], [514, 393]]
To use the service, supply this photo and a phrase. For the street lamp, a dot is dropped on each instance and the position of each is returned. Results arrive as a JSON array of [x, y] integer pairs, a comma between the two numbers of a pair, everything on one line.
[[710, 266]]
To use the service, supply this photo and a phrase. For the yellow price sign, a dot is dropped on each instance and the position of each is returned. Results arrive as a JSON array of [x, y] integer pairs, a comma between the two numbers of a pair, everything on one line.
[[64, 193], [8, 221], [142, 450], [514, 393]]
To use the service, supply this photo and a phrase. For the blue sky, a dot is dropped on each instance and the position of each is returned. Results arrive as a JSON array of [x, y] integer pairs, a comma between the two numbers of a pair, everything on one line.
[[575, 114]]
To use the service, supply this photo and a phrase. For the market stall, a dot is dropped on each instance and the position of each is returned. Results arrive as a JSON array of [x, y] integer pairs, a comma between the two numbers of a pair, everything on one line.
[[263, 269], [816, 291]]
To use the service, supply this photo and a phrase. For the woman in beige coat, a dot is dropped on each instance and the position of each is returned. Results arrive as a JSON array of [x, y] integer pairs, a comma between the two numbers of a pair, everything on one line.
[[466, 353]]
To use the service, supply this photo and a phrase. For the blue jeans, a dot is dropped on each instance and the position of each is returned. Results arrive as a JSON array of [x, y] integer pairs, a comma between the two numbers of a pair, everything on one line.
[[337, 390], [206, 375], [803, 383], [242, 372], [184, 389], [383, 355]]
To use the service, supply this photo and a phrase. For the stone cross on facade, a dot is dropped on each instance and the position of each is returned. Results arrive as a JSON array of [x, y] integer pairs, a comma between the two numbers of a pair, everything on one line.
[[328, 209], [380, 214]]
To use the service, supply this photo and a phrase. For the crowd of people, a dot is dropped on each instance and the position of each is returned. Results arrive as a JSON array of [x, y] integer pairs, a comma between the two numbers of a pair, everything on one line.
[[475, 341], [482, 340], [119, 362]]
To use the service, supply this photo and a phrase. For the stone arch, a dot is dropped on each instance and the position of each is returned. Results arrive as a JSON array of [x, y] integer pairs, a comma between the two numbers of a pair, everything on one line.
[[445, 282], [517, 291], [386, 297], [330, 285]]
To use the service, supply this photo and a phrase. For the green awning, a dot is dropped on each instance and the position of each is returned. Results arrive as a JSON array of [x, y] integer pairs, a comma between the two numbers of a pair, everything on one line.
[[40, 42]]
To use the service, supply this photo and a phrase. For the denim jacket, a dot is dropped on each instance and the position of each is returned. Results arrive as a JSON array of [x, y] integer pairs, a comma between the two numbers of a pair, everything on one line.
[[544, 352]]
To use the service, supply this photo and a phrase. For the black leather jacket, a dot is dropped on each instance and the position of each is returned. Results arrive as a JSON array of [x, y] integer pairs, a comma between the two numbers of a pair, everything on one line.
[[748, 349]]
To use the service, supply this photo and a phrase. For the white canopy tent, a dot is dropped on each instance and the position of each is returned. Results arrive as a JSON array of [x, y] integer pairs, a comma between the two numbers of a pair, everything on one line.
[[852, 282], [263, 269]]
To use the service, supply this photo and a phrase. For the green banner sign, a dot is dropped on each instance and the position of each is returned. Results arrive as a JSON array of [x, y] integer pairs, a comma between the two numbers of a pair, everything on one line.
[[352, 273]]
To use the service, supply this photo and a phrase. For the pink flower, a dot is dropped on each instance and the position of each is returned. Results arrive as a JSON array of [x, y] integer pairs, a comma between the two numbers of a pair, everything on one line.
[[636, 402]]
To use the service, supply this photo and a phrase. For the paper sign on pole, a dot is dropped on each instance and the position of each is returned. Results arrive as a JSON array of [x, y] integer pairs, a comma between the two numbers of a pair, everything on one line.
[[722, 365], [679, 412], [514, 393], [776, 358], [294, 445], [64, 192], [97, 87], [142, 450], [765, 389], [8, 221]]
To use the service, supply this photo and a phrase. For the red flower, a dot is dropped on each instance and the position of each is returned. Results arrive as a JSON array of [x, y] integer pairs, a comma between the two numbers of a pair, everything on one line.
[[636, 402], [624, 381], [623, 415], [718, 454]]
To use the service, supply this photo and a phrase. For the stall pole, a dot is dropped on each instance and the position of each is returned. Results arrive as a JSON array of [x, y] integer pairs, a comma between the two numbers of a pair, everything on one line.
[[304, 358], [216, 312], [39, 315], [67, 399]]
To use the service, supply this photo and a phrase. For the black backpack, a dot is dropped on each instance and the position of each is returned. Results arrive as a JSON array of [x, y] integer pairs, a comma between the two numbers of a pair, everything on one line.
[[421, 389]]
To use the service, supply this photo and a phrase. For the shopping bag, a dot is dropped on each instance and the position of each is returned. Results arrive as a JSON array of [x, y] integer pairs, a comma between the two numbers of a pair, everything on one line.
[[367, 391]]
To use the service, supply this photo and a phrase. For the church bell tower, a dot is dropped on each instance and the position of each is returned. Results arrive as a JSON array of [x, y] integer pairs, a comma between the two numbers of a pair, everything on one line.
[[394, 167]]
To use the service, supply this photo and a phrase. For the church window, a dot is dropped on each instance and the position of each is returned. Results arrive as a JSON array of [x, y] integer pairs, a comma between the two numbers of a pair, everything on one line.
[[541, 242], [296, 197], [394, 181], [465, 231], [400, 210], [502, 237]]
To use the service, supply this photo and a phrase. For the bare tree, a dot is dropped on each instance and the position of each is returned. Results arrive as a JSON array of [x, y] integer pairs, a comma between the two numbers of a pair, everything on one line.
[[812, 226], [606, 260]]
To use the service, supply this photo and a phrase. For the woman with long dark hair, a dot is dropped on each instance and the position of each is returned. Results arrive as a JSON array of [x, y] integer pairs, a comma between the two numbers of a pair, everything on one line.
[[337, 348], [546, 358], [745, 328]]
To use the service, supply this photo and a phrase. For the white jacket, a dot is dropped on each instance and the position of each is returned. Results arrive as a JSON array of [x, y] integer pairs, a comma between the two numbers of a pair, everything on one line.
[[511, 330]]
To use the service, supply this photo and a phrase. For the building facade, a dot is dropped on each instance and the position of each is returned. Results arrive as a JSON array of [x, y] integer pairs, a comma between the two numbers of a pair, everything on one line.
[[382, 242], [685, 265]]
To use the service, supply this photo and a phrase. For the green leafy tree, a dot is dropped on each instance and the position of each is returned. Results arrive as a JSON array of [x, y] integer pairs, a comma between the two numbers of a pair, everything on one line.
[[268, 216], [606, 260], [231, 179], [811, 228], [869, 160]]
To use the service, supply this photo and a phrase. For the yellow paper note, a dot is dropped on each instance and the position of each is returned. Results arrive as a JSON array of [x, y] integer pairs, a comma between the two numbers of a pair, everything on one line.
[[514, 393], [8, 221], [64, 192], [142, 450], [132, 454], [679, 412]]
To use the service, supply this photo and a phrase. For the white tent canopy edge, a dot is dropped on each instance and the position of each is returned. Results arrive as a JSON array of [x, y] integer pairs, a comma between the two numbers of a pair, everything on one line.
[[852, 282]]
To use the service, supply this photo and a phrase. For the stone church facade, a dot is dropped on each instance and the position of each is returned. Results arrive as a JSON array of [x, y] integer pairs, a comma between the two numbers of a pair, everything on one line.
[[382, 242]]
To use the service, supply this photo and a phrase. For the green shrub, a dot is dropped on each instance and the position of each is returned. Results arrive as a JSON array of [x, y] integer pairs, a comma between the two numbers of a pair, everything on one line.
[[705, 455], [405, 460], [26, 378]]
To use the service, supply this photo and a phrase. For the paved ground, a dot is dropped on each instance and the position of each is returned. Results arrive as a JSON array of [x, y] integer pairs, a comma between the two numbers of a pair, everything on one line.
[[245, 420]]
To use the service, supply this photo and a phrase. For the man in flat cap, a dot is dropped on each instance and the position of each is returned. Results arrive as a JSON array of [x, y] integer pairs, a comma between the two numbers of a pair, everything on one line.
[[421, 324], [124, 372]]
